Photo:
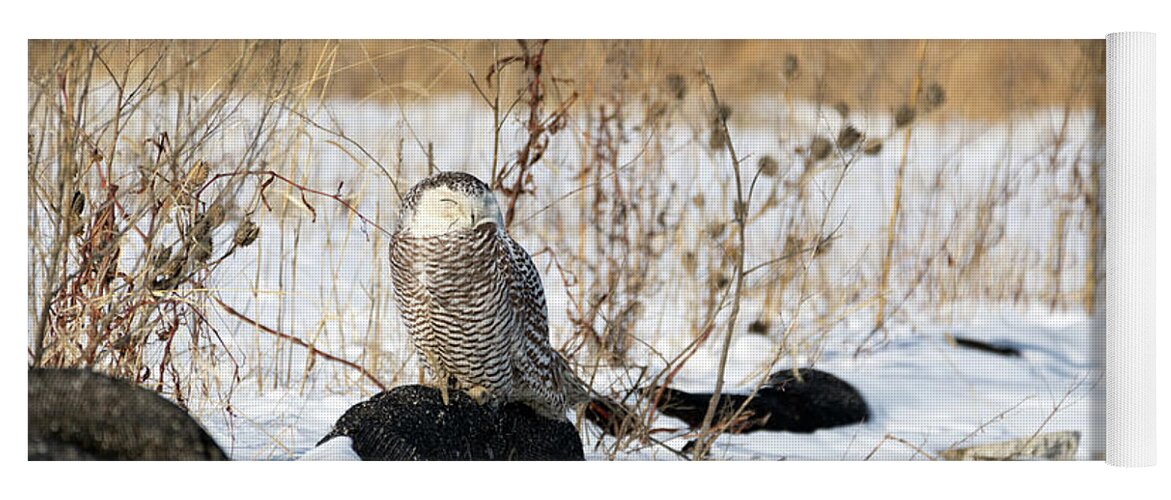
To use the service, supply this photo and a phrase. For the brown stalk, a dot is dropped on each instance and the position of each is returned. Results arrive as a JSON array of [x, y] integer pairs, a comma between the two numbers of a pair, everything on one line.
[[896, 207], [312, 349], [707, 438]]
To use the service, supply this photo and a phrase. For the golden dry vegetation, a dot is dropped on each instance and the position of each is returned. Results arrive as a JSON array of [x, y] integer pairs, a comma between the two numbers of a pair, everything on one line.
[[985, 79]]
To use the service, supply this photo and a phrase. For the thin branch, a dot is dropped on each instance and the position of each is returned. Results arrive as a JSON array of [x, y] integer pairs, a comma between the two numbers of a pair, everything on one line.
[[346, 138], [740, 210], [312, 349], [303, 189]]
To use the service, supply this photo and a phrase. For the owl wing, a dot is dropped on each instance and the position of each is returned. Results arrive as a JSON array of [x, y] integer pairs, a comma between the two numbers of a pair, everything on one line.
[[546, 377], [528, 299]]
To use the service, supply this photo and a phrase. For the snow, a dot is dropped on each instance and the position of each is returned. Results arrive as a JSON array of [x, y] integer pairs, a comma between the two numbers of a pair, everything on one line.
[[326, 282], [336, 449]]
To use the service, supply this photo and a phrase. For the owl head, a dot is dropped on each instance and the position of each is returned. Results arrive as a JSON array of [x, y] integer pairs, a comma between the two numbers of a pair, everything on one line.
[[446, 203]]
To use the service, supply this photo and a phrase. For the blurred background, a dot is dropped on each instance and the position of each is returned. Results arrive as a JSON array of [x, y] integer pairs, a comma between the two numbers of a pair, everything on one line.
[[985, 79]]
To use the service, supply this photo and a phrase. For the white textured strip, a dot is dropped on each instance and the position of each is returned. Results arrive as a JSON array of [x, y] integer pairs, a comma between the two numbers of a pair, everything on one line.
[[1130, 249]]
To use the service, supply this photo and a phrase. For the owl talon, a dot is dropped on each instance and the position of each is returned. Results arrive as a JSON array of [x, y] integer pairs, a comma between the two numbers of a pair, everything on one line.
[[480, 394], [441, 380]]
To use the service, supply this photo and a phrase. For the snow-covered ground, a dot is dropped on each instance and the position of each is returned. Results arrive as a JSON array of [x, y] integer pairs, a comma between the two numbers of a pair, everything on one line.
[[919, 388], [326, 281]]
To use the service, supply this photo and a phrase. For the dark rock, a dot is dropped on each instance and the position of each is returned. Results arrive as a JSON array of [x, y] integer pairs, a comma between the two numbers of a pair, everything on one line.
[[42, 448], [691, 408], [817, 400], [412, 423], [82, 415], [988, 347]]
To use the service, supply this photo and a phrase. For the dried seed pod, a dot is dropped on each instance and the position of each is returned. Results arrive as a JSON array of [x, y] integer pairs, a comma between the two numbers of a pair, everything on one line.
[[872, 147], [768, 166], [690, 262], [731, 252], [718, 139], [723, 114], [904, 116], [205, 223], [168, 274], [78, 203], [173, 267], [246, 233], [740, 209], [198, 230], [677, 85], [161, 256], [843, 109], [849, 137], [820, 148], [201, 249], [214, 216], [197, 175], [759, 327], [823, 245], [110, 251], [716, 230], [793, 244], [656, 112], [932, 97], [73, 218], [791, 67]]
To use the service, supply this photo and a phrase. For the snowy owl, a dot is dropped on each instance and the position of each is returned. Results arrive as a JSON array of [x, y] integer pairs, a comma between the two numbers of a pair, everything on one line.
[[472, 300]]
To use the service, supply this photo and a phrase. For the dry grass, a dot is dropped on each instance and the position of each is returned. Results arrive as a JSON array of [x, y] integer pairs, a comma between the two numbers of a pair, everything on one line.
[[986, 79], [127, 234]]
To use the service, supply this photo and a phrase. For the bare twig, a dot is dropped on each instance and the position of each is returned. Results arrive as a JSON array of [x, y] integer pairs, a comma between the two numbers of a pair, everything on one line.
[[706, 438], [313, 350], [344, 137]]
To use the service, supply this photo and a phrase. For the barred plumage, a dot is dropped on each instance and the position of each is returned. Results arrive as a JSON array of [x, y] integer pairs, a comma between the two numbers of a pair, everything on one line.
[[472, 300]]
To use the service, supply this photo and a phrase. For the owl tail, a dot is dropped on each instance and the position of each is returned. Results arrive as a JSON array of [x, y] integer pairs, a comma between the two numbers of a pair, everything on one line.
[[575, 390], [613, 417]]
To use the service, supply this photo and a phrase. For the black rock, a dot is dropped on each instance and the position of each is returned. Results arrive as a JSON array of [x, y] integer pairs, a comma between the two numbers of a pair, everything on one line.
[[691, 408], [82, 415], [412, 423], [988, 347], [817, 400]]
